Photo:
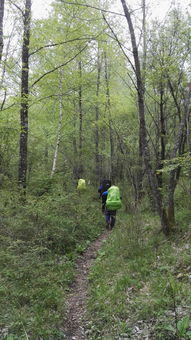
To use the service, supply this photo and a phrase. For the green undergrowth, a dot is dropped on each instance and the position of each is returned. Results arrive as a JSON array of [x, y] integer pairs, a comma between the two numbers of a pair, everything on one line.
[[140, 282], [40, 241]]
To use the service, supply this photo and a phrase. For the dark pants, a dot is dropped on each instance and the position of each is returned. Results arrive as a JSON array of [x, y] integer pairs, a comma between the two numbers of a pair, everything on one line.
[[103, 204], [110, 217]]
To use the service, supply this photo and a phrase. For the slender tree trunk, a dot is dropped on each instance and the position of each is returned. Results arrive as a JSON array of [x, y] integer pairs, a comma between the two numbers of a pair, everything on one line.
[[188, 134], [162, 131], [4, 67], [174, 174], [144, 40], [97, 114], [111, 150], [140, 172], [74, 143], [80, 167], [59, 127], [143, 133], [1, 27], [24, 97], [46, 156], [108, 104]]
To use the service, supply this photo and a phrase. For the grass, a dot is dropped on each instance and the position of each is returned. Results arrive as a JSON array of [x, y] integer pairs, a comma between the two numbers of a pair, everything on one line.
[[39, 244], [140, 283]]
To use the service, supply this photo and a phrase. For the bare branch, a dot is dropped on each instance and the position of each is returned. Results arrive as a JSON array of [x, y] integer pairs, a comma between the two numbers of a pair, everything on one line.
[[125, 82], [17, 7], [3, 102], [60, 43], [57, 67], [119, 43], [8, 107], [97, 8]]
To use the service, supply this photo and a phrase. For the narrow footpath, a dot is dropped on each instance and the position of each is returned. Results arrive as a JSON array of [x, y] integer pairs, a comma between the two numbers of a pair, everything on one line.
[[76, 322]]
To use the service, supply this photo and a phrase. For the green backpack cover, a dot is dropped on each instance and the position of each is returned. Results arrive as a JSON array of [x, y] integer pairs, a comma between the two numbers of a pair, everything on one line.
[[113, 201]]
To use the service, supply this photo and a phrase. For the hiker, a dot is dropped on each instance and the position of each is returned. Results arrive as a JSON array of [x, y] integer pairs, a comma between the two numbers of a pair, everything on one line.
[[104, 186], [81, 185], [113, 203]]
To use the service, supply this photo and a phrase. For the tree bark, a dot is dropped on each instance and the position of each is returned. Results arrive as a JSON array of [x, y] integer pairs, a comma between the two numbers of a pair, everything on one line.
[[1, 27], [24, 97]]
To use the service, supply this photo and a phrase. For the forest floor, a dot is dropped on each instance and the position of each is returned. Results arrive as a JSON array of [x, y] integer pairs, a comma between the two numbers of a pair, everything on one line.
[[76, 323]]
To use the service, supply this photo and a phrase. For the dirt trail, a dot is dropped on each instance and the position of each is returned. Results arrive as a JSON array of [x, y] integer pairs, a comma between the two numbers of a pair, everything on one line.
[[75, 322]]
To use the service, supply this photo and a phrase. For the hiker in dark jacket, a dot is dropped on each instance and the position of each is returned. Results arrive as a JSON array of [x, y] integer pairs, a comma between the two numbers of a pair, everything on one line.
[[104, 185]]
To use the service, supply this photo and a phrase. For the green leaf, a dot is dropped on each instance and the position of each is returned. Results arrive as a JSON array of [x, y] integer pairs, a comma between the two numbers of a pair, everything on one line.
[[170, 328], [183, 325], [188, 334]]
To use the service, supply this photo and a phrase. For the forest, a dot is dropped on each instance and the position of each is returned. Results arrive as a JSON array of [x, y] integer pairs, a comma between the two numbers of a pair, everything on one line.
[[95, 89]]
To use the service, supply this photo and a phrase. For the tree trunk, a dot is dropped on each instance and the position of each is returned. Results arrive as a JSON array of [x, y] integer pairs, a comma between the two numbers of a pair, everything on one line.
[[80, 166], [144, 40], [75, 144], [107, 109], [174, 174], [1, 27], [156, 196], [24, 97], [59, 128], [5, 58], [162, 132], [97, 113]]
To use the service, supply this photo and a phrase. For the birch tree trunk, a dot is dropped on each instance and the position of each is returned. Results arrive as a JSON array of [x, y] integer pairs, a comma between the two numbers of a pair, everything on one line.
[[1, 27], [24, 97], [59, 127]]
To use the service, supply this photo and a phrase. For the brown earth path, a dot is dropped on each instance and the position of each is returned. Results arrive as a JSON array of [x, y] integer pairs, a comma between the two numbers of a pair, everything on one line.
[[76, 323]]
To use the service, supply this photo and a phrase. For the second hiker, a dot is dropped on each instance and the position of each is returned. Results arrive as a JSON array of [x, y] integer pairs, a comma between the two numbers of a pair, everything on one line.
[[104, 186]]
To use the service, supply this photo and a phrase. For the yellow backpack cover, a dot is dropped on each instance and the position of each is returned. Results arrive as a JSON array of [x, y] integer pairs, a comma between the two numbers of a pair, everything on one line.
[[81, 184]]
